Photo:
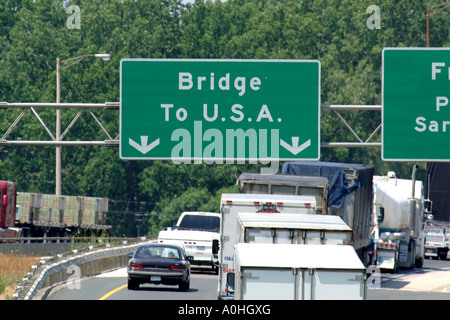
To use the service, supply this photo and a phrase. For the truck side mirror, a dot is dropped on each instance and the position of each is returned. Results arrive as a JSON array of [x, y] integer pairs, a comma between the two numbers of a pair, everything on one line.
[[215, 246], [427, 206], [380, 217]]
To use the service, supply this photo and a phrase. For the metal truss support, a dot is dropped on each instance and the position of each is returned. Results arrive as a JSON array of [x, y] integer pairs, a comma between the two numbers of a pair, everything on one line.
[[114, 142], [110, 142], [359, 143]]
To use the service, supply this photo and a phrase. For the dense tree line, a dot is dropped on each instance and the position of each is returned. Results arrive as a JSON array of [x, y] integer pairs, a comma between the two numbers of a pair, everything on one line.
[[33, 33]]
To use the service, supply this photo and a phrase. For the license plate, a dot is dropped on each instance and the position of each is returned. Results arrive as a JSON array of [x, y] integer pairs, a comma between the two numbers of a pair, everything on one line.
[[155, 278], [429, 251]]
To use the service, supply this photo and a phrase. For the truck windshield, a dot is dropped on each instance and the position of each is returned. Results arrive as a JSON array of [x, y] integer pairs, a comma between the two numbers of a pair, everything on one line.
[[195, 222]]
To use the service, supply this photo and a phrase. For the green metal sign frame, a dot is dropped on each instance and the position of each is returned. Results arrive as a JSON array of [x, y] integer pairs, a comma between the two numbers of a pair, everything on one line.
[[219, 110], [416, 104]]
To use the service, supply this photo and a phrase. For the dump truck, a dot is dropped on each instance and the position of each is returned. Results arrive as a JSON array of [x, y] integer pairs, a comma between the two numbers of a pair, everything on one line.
[[266, 271], [27, 214], [401, 215], [199, 233], [339, 189]]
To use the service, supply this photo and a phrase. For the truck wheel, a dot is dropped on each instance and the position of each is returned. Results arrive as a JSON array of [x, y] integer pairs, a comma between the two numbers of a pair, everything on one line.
[[215, 269], [442, 254], [412, 254], [396, 266], [419, 262]]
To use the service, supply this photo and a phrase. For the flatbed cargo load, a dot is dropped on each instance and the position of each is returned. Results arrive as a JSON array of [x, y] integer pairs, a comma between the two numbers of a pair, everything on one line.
[[26, 214], [343, 178]]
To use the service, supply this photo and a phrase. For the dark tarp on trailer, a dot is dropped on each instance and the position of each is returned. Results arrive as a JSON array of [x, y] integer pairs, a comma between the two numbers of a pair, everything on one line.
[[336, 175], [437, 189]]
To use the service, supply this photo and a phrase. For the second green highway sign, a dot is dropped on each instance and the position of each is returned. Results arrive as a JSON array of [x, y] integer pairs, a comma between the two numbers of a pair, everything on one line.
[[416, 104]]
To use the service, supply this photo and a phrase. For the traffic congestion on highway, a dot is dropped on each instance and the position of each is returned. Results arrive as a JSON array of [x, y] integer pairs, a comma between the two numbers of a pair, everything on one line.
[[430, 283], [271, 246], [238, 166]]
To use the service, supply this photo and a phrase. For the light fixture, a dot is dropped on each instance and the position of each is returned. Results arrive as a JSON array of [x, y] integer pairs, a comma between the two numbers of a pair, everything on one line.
[[104, 56]]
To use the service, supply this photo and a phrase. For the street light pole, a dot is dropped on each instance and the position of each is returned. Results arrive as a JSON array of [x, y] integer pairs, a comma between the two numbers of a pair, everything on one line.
[[58, 128], [104, 57]]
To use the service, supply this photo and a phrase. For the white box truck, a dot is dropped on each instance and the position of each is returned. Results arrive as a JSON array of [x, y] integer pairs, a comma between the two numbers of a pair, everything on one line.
[[298, 272], [292, 228], [340, 189], [230, 205], [436, 241]]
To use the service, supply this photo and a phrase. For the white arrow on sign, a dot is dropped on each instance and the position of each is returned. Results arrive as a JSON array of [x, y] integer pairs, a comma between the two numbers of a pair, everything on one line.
[[144, 147], [295, 148]]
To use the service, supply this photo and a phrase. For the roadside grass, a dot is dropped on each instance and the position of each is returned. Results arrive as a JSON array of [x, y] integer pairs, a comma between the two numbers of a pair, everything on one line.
[[13, 268]]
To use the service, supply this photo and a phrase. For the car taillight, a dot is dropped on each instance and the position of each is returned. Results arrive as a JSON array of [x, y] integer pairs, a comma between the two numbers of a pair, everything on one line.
[[177, 268], [136, 265]]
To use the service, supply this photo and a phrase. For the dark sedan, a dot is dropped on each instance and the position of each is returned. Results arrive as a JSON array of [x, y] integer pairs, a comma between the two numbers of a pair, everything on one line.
[[159, 264]]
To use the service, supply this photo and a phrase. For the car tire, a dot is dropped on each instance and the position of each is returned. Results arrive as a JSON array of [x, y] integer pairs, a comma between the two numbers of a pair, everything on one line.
[[133, 285], [184, 286]]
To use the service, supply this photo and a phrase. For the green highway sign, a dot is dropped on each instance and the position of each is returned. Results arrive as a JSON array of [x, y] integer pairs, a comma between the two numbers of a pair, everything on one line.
[[416, 108], [219, 111]]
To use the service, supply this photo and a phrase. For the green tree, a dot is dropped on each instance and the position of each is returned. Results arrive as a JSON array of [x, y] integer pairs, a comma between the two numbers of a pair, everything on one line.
[[33, 33]]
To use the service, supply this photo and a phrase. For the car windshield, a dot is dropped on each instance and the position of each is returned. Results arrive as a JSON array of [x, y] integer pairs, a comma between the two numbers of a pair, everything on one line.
[[158, 252], [195, 222]]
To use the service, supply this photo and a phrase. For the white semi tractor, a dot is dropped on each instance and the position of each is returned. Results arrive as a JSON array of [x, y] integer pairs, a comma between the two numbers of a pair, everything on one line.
[[400, 208]]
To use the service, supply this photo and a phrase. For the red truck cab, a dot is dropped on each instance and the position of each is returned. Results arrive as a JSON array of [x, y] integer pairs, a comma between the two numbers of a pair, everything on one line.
[[8, 193]]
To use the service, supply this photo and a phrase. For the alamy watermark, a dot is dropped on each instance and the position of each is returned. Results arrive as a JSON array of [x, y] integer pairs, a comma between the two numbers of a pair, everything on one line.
[[374, 21], [374, 277], [74, 280], [74, 20]]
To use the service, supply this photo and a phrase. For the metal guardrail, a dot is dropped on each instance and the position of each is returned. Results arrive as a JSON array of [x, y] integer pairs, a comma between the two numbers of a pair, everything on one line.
[[64, 239], [37, 277]]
